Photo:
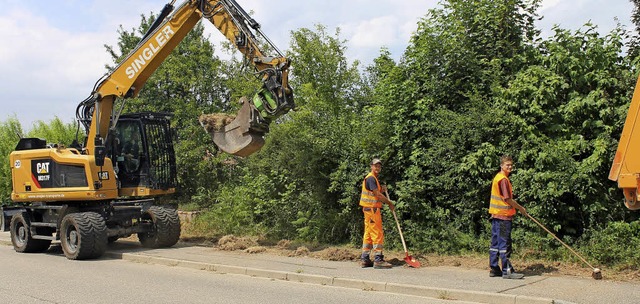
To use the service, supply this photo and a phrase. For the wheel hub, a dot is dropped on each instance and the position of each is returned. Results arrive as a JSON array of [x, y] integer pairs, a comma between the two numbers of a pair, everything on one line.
[[22, 234], [73, 239]]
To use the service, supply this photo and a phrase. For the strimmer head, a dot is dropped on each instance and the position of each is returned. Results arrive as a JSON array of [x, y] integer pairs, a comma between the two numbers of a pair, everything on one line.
[[596, 274]]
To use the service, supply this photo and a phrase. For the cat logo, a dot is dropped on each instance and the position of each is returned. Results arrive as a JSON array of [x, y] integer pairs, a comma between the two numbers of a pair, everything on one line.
[[42, 168]]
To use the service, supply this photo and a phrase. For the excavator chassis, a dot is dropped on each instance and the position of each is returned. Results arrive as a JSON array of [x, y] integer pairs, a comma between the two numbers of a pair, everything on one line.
[[85, 229]]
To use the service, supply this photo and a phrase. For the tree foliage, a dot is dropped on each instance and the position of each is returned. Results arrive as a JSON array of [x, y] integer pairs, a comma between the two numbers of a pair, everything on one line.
[[634, 44], [444, 121], [10, 132], [55, 131], [298, 188], [568, 110], [477, 82]]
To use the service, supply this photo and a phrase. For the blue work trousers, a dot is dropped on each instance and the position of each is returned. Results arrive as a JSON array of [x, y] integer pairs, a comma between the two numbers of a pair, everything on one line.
[[500, 245]]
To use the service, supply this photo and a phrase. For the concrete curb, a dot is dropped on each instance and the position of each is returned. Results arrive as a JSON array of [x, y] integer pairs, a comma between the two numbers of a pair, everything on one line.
[[422, 291]]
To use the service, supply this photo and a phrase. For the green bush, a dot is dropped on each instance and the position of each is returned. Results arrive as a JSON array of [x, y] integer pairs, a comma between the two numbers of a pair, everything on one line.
[[616, 245]]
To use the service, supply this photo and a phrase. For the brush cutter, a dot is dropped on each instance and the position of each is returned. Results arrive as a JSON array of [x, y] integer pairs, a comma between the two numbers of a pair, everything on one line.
[[411, 261], [596, 274]]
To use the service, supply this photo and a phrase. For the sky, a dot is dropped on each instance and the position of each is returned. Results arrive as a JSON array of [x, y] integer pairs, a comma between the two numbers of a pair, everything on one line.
[[52, 52]]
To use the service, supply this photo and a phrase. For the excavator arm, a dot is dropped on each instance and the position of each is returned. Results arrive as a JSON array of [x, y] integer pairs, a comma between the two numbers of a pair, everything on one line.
[[626, 163], [243, 135]]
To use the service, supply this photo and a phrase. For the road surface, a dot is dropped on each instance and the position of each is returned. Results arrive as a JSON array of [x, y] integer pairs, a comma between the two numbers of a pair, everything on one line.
[[51, 278]]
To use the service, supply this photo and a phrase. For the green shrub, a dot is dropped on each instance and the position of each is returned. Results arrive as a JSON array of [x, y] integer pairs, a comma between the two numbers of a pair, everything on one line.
[[616, 245]]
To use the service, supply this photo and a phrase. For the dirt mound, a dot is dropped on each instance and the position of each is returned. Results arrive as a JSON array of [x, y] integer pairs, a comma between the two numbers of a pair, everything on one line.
[[338, 254], [255, 249], [231, 242], [215, 122], [300, 251], [284, 244]]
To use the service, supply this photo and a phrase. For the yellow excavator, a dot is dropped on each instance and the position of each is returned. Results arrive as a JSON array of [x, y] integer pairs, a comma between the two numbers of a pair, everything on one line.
[[626, 163], [88, 195]]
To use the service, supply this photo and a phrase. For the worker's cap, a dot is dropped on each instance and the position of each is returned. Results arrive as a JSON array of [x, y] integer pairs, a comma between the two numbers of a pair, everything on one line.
[[376, 161]]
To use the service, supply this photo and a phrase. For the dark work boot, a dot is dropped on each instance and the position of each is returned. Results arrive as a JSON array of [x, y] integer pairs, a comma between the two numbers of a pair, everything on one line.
[[495, 272], [365, 260], [380, 263], [366, 263], [512, 275]]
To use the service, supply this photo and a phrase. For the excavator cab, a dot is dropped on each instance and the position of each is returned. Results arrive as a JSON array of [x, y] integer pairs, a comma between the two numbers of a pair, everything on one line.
[[143, 154]]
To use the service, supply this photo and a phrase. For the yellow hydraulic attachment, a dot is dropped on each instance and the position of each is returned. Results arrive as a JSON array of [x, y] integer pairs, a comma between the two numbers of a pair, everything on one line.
[[626, 163]]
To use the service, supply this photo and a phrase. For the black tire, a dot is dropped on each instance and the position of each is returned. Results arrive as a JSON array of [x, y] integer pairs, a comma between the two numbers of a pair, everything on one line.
[[165, 231], [21, 235], [83, 235], [112, 239]]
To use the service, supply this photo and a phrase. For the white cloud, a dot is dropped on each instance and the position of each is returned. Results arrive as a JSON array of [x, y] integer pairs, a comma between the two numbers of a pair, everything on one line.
[[50, 54], [548, 4], [373, 32], [574, 14], [46, 71]]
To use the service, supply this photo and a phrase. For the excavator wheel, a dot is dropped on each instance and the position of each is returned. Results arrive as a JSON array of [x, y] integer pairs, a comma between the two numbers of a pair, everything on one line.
[[21, 235], [165, 227], [83, 235]]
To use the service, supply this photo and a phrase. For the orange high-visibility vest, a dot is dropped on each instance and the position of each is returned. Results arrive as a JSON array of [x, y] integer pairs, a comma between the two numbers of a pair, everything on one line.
[[368, 198], [497, 205]]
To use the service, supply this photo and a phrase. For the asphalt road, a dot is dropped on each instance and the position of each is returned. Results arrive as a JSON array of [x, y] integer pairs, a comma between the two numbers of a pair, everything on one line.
[[51, 278]]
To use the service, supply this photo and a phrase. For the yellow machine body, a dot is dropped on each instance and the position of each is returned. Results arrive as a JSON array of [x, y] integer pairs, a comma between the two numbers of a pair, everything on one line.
[[60, 174], [626, 163]]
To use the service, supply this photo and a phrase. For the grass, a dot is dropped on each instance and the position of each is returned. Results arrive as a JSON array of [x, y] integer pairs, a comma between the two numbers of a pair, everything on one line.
[[530, 261], [444, 295]]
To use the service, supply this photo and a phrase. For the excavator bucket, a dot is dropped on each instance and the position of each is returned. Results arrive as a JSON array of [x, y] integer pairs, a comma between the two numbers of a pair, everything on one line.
[[235, 135]]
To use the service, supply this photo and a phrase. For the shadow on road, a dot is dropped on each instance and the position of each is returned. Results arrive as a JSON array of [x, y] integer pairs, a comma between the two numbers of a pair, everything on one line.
[[119, 247], [538, 269]]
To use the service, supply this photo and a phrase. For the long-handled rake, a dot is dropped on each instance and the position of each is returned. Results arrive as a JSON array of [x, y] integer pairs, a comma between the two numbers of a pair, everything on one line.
[[411, 261], [596, 274]]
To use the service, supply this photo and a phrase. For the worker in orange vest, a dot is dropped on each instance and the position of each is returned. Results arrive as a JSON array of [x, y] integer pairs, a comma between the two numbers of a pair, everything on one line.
[[371, 200], [502, 208]]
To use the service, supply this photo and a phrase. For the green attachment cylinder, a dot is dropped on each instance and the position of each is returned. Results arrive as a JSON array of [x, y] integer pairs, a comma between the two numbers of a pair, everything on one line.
[[266, 104]]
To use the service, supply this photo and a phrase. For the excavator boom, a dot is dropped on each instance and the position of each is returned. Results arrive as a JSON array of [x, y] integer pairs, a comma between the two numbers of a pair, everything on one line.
[[242, 137]]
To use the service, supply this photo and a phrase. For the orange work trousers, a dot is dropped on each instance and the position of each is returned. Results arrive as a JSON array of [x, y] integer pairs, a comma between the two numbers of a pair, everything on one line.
[[373, 235]]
